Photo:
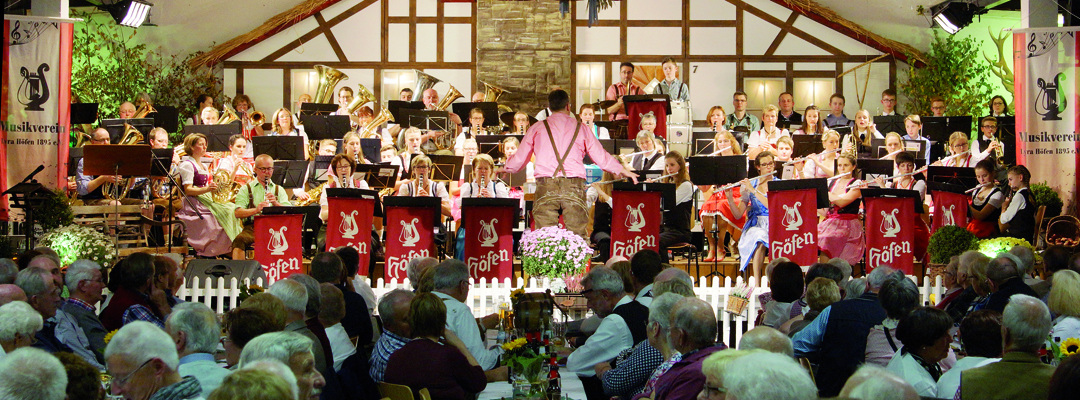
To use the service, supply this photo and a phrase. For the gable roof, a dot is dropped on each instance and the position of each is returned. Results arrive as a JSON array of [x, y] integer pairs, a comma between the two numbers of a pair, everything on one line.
[[825, 16], [272, 26]]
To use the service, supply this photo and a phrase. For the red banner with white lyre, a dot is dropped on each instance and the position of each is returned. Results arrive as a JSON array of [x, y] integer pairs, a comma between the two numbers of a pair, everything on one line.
[[949, 209], [489, 241], [793, 225], [635, 222], [279, 244], [634, 111], [890, 233], [410, 233], [348, 224]]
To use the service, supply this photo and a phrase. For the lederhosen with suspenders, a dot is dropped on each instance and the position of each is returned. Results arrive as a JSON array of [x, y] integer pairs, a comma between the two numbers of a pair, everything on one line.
[[678, 95], [562, 200]]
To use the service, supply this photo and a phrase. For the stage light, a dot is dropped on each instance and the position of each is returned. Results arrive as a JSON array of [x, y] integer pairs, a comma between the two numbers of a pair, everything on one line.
[[131, 13], [953, 15]]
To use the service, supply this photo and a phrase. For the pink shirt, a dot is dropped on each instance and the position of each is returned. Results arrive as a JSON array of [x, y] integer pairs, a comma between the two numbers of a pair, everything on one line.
[[619, 89], [562, 129]]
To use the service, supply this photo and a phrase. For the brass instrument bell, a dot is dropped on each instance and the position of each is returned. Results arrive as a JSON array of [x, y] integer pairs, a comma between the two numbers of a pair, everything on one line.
[[328, 80]]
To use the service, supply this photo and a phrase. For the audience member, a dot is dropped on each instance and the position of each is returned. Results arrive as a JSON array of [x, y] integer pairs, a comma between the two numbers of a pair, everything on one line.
[[871, 382], [898, 297], [132, 300], [273, 306], [451, 278], [844, 266], [450, 370], [19, 323], [836, 339], [195, 330], [925, 335], [168, 278], [980, 334], [669, 274], [692, 333], [854, 288], [1065, 383], [416, 268], [1005, 281], [1026, 263], [84, 380], [953, 287], [9, 292], [85, 284], [631, 374], [295, 297], [1019, 374], [241, 326], [278, 368], [1055, 258], [786, 286], [328, 268], [8, 269], [253, 384], [971, 274], [292, 349], [820, 293], [644, 266], [677, 286], [32, 374], [714, 367], [330, 316], [1064, 302], [394, 312], [768, 339], [766, 375], [142, 360], [44, 297], [350, 258], [311, 315]]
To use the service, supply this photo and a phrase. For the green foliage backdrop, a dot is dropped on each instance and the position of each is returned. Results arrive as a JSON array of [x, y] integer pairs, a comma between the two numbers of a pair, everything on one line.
[[109, 68], [954, 71]]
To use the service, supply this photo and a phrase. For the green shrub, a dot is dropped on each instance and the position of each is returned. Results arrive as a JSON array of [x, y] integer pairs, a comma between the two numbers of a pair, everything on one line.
[[949, 241], [1046, 196]]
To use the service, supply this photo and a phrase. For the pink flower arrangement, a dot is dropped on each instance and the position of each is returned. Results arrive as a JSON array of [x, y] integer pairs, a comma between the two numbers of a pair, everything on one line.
[[553, 252]]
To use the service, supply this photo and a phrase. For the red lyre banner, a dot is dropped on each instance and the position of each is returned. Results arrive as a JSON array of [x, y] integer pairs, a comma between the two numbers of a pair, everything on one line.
[[279, 245], [890, 233], [489, 241], [636, 108], [793, 225], [410, 233], [635, 222], [348, 223], [949, 209]]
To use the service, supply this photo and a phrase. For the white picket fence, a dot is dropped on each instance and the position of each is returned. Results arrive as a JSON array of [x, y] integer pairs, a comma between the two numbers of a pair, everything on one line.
[[485, 297]]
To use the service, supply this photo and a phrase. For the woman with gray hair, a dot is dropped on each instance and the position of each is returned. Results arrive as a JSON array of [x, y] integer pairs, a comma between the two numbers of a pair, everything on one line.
[[971, 262], [898, 297], [648, 359], [657, 329], [18, 324]]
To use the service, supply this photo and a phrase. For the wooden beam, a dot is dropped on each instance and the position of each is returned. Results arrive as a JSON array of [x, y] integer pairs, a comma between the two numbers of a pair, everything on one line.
[[739, 22], [286, 85], [429, 20], [349, 65], [314, 32], [794, 31], [412, 30], [238, 49], [385, 39], [652, 58], [658, 23], [623, 9], [869, 41], [439, 31], [239, 80], [783, 32], [330, 37], [764, 74]]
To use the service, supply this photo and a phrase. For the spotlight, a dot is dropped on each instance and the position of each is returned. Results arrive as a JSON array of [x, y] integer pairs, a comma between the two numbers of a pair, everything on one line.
[[131, 13], [953, 15]]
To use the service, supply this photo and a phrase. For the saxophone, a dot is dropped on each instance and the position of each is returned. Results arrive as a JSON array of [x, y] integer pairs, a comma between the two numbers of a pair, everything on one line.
[[316, 193]]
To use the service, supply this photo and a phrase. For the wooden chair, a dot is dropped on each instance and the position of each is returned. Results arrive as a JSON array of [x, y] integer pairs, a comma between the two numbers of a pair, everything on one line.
[[805, 363], [400, 392], [1039, 215]]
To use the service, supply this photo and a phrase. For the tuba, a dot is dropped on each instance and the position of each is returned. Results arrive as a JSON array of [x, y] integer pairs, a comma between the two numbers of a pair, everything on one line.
[[131, 136], [491, 92], [363, 96], [451, 96], [328, 80], [423, 82], [371, 130], [144, 110], [446, 141], [228, 116]]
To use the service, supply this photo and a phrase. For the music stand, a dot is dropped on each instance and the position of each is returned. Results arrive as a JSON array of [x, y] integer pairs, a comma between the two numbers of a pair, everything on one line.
[[357, 194], [704, 143], [607, 144], [872, 168], [932, 187], [717, 170], [317, 109], [446, 168], [379, 176], [217, 136], [938, 130], [649, 174], [167, 117], [667, 191], [429, 202], [397, 107], [28, 196], [955, 175], [116, 127], [371, 148], [616, 129], [489, 144], [625, 146], [467, 202], [84, 113], [123, 160], [890, 123], [74, 154], [516, 179], [916, 198], [806, 145], [490, 109], [650, 98], [162, 163], [279, 147], [741, 134], [842, 130], [321, 169], [426, 120], [289, 173], [820, 184], [319, 127]]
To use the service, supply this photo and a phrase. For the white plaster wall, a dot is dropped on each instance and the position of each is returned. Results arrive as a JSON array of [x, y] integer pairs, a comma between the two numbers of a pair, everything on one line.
[[879, 81], [426, 42], [316, 49], [613, 12], [597, 40], [834, 38], [653, 9], [228, 81], [712, 41], [757, 34], [461, 79], [426, 8], [457, 43], [711, 84], [398, 8], [265, 87], [359, 35], [658, 41], [712, 10], [457, 9], [398, 42], [793, 45], [342, 6], [273, 43], [765, 66]]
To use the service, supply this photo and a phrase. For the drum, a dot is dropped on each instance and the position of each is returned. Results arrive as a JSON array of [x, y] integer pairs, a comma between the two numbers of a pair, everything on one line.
[[681, 113]]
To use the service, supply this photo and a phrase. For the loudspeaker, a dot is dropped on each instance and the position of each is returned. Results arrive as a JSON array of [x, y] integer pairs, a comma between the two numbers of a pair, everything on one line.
[[201, 269]]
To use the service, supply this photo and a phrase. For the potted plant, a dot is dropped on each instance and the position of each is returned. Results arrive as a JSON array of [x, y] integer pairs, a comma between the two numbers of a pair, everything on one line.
[[992, 247], [77, 242], [947, 242], [555, 253], [1045, 195]]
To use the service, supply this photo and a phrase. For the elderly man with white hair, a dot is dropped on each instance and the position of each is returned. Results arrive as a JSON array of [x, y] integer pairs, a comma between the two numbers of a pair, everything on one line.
[[873, 382], [1020, 374], [394, 311], [9, 293], [692, 333], [85, 284], [143, 362], [295, 297], [452, 286], [292, 349], [766, 375], [195, 330], [648, 359], [18, 324], [768, 339], [43, 295], [1006, 280], [277, 368], [32, 374]]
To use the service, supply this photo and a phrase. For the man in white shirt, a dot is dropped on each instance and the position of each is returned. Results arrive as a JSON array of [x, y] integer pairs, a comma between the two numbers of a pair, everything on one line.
[[452, 286]]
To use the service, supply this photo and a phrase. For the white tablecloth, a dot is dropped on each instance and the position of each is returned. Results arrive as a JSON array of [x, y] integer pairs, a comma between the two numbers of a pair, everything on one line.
[[571, 388]]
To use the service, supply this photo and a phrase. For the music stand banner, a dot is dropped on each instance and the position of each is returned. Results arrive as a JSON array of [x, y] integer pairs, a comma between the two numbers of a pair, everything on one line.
[[635, 222], [279, 244], [890, 233], [489, 241], [348, 224], [634, 111], [409, 234], [790, 234], [1046, 100], [36, 103], [949, 209]]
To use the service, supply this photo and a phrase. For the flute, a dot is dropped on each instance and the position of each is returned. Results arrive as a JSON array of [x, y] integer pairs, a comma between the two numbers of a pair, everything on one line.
[[625, 156], [838, 177], [659, 177], [918, 171], [891, 154], [979, 186], [719, 151], [954, 156], [801, 159], [733, 185]]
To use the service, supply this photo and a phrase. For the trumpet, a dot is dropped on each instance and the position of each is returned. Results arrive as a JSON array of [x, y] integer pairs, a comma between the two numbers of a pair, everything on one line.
[[736, 184], [228, 117], [979, 186], [256, 118]]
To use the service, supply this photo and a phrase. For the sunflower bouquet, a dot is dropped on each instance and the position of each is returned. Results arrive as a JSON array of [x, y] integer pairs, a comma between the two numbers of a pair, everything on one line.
[[1061, 348]]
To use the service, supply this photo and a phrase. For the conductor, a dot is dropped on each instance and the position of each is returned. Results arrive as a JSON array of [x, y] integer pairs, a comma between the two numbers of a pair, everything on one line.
[[560, 143]]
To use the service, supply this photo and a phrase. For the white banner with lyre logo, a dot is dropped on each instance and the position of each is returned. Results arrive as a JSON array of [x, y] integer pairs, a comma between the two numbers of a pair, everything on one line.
[[1047, 89], [36, 101]]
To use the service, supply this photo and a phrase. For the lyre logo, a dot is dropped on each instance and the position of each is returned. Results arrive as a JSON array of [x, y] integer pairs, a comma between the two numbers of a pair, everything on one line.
[[890, 226], [409, 235], [947, 215], [487, 236], [792, 219], [34, 89], [348, 225], [278, 244], [635, 219]]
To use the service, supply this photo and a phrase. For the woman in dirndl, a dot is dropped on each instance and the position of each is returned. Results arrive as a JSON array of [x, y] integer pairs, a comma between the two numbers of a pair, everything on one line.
[[715, 213], [211, 226], [754, 243], [841, 233]]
